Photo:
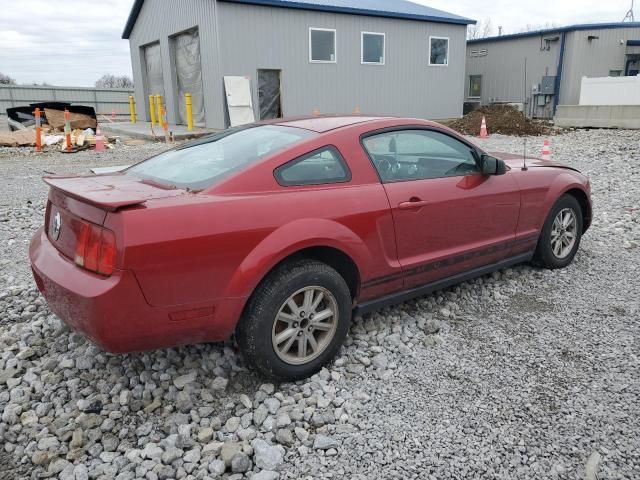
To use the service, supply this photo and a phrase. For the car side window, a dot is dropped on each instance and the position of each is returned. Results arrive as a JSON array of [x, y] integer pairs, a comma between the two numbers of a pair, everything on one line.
[[319, 167], [418, 154]]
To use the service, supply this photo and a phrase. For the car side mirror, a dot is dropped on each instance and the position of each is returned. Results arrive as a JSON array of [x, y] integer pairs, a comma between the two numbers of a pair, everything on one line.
[[492, 166]]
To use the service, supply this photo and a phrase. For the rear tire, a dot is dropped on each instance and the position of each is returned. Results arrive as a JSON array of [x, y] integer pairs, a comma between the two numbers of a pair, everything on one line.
[[296, 320], [561, 234]]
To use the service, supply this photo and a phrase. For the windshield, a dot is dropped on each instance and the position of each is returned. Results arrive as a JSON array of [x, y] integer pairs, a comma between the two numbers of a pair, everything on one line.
[[202, 163]]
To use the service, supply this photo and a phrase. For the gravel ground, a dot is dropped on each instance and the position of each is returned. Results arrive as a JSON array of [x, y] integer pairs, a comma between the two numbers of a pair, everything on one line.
[[525, 373]]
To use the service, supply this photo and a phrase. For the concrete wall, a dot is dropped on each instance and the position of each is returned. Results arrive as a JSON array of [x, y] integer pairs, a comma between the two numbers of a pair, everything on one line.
[[598, 116], [237, 39], [610, 91], [104, 100]]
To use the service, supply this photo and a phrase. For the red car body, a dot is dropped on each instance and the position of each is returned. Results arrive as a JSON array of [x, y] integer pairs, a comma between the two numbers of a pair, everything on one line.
[[186, 263]]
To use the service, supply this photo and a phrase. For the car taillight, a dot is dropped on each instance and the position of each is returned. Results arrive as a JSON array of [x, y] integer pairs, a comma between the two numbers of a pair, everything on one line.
[[96, 249]]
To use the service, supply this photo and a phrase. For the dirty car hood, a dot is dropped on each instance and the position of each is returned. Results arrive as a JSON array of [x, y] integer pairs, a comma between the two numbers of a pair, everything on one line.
[[516, 161]]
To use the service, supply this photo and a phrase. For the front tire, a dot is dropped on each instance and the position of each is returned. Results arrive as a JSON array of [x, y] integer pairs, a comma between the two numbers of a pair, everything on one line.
[[296, 320], [561, 234]]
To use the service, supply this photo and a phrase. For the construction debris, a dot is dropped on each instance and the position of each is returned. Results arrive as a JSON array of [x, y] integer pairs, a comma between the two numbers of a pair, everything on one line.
[[55, 118], [22, 117], [18, 138], [503, 119]]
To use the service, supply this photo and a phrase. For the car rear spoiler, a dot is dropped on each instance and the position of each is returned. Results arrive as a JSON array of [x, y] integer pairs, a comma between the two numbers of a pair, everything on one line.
[[100, 194]]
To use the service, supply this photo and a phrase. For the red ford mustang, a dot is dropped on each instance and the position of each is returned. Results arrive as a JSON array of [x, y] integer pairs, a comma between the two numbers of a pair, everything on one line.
[[280, 232]]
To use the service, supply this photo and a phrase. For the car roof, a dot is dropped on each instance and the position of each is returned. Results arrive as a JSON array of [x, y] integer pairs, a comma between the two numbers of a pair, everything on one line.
[[326, 123]]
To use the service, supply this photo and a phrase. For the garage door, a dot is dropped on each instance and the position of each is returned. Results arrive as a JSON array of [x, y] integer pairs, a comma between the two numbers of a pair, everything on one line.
[[189, 74], [153, 67]]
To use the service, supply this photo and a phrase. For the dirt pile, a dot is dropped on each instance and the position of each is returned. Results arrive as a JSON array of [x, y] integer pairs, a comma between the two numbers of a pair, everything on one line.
[[503, 119]]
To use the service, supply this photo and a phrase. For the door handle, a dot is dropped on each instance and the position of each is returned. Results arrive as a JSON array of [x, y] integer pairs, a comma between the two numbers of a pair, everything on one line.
[[413, 204]]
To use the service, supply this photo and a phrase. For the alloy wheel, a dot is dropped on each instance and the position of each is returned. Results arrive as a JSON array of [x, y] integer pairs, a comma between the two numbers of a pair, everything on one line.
[[305, 325], [564, 233]]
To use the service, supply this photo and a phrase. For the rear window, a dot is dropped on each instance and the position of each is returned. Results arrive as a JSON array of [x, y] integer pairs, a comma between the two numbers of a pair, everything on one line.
[[202, 163]]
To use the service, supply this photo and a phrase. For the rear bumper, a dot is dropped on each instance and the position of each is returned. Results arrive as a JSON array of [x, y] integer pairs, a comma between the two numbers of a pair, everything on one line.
[[113, 312]]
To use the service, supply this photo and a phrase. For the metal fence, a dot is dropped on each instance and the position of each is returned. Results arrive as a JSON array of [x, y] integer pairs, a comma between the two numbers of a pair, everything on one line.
[[104, 100]]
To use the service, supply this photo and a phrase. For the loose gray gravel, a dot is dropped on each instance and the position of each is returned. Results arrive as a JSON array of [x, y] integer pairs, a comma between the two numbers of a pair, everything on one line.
[[525, 373]]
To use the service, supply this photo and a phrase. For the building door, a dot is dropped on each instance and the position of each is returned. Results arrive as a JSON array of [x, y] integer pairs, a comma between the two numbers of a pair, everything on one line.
[[186, 50], [269, 95], [153, 70]]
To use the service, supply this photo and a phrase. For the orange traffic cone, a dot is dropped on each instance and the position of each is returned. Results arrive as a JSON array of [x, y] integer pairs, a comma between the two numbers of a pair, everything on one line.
[[113, 114], [99, 140], [483, 129], [546, 150]]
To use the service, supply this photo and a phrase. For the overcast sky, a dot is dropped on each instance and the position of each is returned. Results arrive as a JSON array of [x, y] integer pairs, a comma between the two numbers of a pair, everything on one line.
[[74, 42]]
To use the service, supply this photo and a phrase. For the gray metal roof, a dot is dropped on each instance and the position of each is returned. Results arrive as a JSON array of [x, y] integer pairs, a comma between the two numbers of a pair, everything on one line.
[[401, 9]]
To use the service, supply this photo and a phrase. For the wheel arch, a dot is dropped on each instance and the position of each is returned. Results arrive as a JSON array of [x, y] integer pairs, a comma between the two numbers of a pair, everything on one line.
[[585, 205], [322, 240]]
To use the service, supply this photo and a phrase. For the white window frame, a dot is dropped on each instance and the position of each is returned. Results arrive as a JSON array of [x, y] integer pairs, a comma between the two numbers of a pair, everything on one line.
[[335, 45], [469, 91], [384, 48], [431, 37]]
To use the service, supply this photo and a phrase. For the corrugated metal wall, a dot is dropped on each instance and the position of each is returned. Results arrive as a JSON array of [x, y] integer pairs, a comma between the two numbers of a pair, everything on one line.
[[255, 37], [502, 68], [104, 100], [584, 58], [276, 38], [158, 21]]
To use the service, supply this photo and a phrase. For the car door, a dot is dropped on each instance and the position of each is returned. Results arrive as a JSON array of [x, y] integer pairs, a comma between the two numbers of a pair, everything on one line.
[[448, 217]]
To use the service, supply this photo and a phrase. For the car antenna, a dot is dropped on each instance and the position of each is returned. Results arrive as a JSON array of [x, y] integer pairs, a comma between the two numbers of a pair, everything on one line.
[[524, 107]]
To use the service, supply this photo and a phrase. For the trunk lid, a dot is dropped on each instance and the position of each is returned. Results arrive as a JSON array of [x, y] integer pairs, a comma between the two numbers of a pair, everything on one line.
[[74, 200]]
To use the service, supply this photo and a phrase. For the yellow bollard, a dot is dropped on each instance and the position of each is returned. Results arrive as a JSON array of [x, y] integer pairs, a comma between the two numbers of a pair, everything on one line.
[[159, 105], [132, 109], [152, 110], [187, 99]]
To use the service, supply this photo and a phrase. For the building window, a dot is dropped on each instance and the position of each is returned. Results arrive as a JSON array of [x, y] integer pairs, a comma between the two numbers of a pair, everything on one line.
[[439, 51], [322, 45], [373, 48], [615, 73], [475, 85]]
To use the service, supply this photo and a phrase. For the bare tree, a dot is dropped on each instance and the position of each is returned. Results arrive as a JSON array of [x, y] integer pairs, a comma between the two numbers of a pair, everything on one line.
[[6, 80], [538, 27], [113, 81], [482, 29]]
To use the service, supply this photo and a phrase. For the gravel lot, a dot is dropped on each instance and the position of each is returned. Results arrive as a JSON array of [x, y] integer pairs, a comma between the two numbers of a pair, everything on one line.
[[526, 373]]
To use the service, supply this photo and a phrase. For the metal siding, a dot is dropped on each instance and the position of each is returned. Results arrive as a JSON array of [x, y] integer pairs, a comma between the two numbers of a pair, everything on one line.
[[158, 21], [584, 58], [104, 100], [502, 69], [256, 37]]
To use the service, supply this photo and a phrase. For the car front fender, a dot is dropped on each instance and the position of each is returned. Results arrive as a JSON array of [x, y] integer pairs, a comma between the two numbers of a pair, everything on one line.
[[562, 184]]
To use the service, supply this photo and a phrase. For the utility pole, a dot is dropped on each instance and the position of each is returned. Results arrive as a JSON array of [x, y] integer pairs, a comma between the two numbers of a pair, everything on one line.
[[629, 15]]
